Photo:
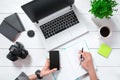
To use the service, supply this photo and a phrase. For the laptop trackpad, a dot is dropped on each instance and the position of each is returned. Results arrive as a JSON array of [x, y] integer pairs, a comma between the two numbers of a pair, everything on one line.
[[63, 37], [77, 30], [51, 42], [58, 39]]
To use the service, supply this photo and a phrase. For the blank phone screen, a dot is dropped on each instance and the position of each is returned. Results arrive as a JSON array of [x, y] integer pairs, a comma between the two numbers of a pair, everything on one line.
[[54, 59]]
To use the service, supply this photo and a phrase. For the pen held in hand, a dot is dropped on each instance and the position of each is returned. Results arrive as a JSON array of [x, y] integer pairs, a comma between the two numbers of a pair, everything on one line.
[[81, 57], [82, 52]]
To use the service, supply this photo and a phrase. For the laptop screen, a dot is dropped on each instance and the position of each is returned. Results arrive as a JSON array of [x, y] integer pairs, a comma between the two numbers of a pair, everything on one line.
[[39, 9]]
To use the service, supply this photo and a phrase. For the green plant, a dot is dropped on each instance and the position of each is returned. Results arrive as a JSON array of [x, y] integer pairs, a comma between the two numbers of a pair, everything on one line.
[[103, 8]]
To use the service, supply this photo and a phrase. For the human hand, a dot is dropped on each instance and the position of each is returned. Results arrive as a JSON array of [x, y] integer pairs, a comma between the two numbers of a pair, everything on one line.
[[46, 71], [87, 64]]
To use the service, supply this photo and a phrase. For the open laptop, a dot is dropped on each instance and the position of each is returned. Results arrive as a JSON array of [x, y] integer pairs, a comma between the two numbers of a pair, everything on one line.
[[60, 27]]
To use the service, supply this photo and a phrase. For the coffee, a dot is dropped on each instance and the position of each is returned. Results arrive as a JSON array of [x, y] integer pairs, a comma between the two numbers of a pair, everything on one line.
[[105, 31]]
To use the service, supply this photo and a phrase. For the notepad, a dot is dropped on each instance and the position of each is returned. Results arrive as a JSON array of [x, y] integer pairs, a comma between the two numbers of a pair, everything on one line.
[[11, 27], [70, 63], [104, 50]]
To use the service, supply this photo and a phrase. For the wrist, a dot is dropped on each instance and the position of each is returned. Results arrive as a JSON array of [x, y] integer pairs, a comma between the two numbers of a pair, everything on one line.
[[41, 74], [91, 70], [38, 74], [92, 74]]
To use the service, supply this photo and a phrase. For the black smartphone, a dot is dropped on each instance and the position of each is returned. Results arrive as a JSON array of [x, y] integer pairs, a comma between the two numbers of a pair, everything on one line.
[[54, 59]]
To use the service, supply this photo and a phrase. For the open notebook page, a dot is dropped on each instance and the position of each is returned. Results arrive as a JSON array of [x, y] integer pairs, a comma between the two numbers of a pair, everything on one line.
[[70, 63]]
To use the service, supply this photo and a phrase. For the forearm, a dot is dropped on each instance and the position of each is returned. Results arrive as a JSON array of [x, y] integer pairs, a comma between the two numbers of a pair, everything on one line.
[[93, 75], [32, 77]]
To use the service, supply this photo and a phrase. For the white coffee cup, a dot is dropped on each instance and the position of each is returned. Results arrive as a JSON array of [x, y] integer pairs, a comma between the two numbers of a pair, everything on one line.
[[104, 32]]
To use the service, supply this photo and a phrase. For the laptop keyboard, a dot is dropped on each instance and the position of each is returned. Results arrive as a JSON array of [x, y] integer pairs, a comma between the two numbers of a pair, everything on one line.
[[59, 24]]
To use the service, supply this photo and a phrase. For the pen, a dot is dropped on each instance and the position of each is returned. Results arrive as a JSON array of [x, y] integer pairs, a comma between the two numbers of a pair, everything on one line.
[[81, 57], [82, 49], [82, 52]]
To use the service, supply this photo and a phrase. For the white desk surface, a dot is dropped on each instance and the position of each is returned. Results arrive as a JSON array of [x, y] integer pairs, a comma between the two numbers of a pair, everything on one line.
[[108, 69]]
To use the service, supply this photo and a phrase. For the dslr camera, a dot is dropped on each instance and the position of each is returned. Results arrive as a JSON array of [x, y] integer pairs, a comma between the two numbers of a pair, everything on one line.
[[17, 50]]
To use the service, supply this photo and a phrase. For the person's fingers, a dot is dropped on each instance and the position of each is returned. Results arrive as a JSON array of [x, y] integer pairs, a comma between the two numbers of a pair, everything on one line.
[[80, 52], [53, 70], [79, 57], [82, 64], [83, 52], [84, 55], [47, 64], [89, 56]]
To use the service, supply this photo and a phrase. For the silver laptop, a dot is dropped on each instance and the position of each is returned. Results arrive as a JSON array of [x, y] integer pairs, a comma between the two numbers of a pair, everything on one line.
[[61, 27]]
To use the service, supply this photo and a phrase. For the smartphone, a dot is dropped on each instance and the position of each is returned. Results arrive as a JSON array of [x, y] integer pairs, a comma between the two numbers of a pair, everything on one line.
[[54, 59]]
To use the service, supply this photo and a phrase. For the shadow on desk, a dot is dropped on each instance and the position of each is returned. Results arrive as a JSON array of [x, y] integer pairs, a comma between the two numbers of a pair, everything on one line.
[[23, 62]]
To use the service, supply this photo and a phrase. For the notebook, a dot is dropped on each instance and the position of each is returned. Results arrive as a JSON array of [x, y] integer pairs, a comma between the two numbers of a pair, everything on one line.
[[8, 31], [11, 27], [70, 63], [14, 21]]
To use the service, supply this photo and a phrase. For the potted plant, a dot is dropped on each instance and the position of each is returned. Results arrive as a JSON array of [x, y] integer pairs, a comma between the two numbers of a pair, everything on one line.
[[103, 8]]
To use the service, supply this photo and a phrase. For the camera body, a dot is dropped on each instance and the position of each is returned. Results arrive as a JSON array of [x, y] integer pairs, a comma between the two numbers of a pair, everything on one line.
[[17, 50]]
